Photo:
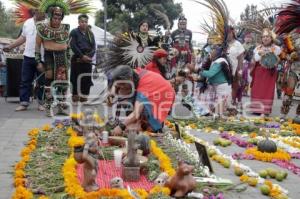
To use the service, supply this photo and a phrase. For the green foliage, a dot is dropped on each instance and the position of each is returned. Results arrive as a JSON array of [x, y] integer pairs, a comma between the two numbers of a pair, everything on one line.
[[43, 171], [8, 27], [124, 15]]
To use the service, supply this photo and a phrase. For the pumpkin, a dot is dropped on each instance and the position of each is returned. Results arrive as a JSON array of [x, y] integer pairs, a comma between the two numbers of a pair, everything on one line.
[[267, 146]]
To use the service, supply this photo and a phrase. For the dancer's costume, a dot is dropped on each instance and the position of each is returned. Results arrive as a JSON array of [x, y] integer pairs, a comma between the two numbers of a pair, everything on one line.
[[56, 62], [288, 27]]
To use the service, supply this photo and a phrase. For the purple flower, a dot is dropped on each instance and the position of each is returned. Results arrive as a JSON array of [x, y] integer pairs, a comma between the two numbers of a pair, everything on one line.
[[212, 197], [220, 196], [272, 125], [295, 155], [287, 165], [236, 140]]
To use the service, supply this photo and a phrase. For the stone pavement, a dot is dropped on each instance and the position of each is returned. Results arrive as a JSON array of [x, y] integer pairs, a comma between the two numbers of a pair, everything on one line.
[[13, 134]]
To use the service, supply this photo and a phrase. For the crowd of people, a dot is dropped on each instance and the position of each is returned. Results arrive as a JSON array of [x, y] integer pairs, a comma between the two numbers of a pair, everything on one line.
[[47, 58]]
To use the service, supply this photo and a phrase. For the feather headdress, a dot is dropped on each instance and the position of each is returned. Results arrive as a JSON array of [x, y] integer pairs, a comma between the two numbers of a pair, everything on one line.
[[23, 7], [260, 20], [218, 31], [127, 49], [287, 26], [288, 18], [22, 13]]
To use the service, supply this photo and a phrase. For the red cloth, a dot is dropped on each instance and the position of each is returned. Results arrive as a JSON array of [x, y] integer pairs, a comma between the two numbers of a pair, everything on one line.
[[151, 66], [107, 171], [263, 88], [160, 53], [157, 94]]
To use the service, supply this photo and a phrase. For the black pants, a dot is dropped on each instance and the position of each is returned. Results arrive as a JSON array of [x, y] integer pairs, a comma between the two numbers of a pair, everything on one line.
[[81, 78]]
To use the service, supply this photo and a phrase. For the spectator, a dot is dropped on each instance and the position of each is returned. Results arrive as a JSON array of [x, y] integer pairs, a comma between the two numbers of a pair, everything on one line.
[[29, 65], [235, 53], [83, 45]]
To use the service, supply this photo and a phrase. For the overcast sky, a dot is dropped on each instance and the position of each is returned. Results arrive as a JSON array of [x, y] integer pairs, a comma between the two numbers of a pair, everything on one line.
[[194, 12]]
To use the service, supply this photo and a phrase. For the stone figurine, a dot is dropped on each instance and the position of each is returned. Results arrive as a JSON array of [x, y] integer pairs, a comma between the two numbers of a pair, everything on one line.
[[116, 183]]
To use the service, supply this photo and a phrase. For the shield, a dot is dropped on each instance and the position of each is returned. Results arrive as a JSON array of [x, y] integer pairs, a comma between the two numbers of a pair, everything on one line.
[[269, 60]]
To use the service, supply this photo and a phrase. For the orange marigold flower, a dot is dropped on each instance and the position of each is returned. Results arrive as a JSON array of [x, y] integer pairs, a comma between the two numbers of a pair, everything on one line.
[[269, 183], [244, 178], [46, 127]]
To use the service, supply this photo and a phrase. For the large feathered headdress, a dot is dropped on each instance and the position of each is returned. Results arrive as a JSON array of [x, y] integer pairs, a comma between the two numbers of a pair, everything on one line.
[[288, 18], [259, 20], [287, 21], [24, 7], [218, 31], [127, 49]]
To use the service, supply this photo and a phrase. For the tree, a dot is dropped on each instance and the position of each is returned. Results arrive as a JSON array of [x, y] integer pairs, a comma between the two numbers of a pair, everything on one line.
[[8, 27], [250, 13], [254, 20], [123, 15]]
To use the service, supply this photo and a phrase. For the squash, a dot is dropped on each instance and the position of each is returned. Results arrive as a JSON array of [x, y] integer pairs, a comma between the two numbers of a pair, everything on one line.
[[267, 146]]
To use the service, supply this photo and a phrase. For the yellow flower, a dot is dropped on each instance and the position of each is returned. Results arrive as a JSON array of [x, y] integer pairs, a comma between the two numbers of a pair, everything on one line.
[[22, 192], [20, 165], [269, 183], [33, 132], [26, 158], [76, 116], [19, 173], [160, 189], [275, 191], [268, 157], [19, 182], [70, 131], [142, 193], [60, 126], [46, 127], [164, 160], [76, 141], [252, 135], [43, 197], [244, 178]]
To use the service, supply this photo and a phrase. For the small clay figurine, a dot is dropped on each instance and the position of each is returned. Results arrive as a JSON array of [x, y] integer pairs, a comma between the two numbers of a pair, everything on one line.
[[182, 182], [117, 183], [161, 179], [90, 163]]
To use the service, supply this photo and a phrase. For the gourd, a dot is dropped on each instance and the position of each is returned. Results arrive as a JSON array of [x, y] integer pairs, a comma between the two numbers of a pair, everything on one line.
[[267, 146]]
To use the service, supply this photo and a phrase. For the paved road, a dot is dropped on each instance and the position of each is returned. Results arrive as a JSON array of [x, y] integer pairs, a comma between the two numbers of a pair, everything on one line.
[[15, 125]]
